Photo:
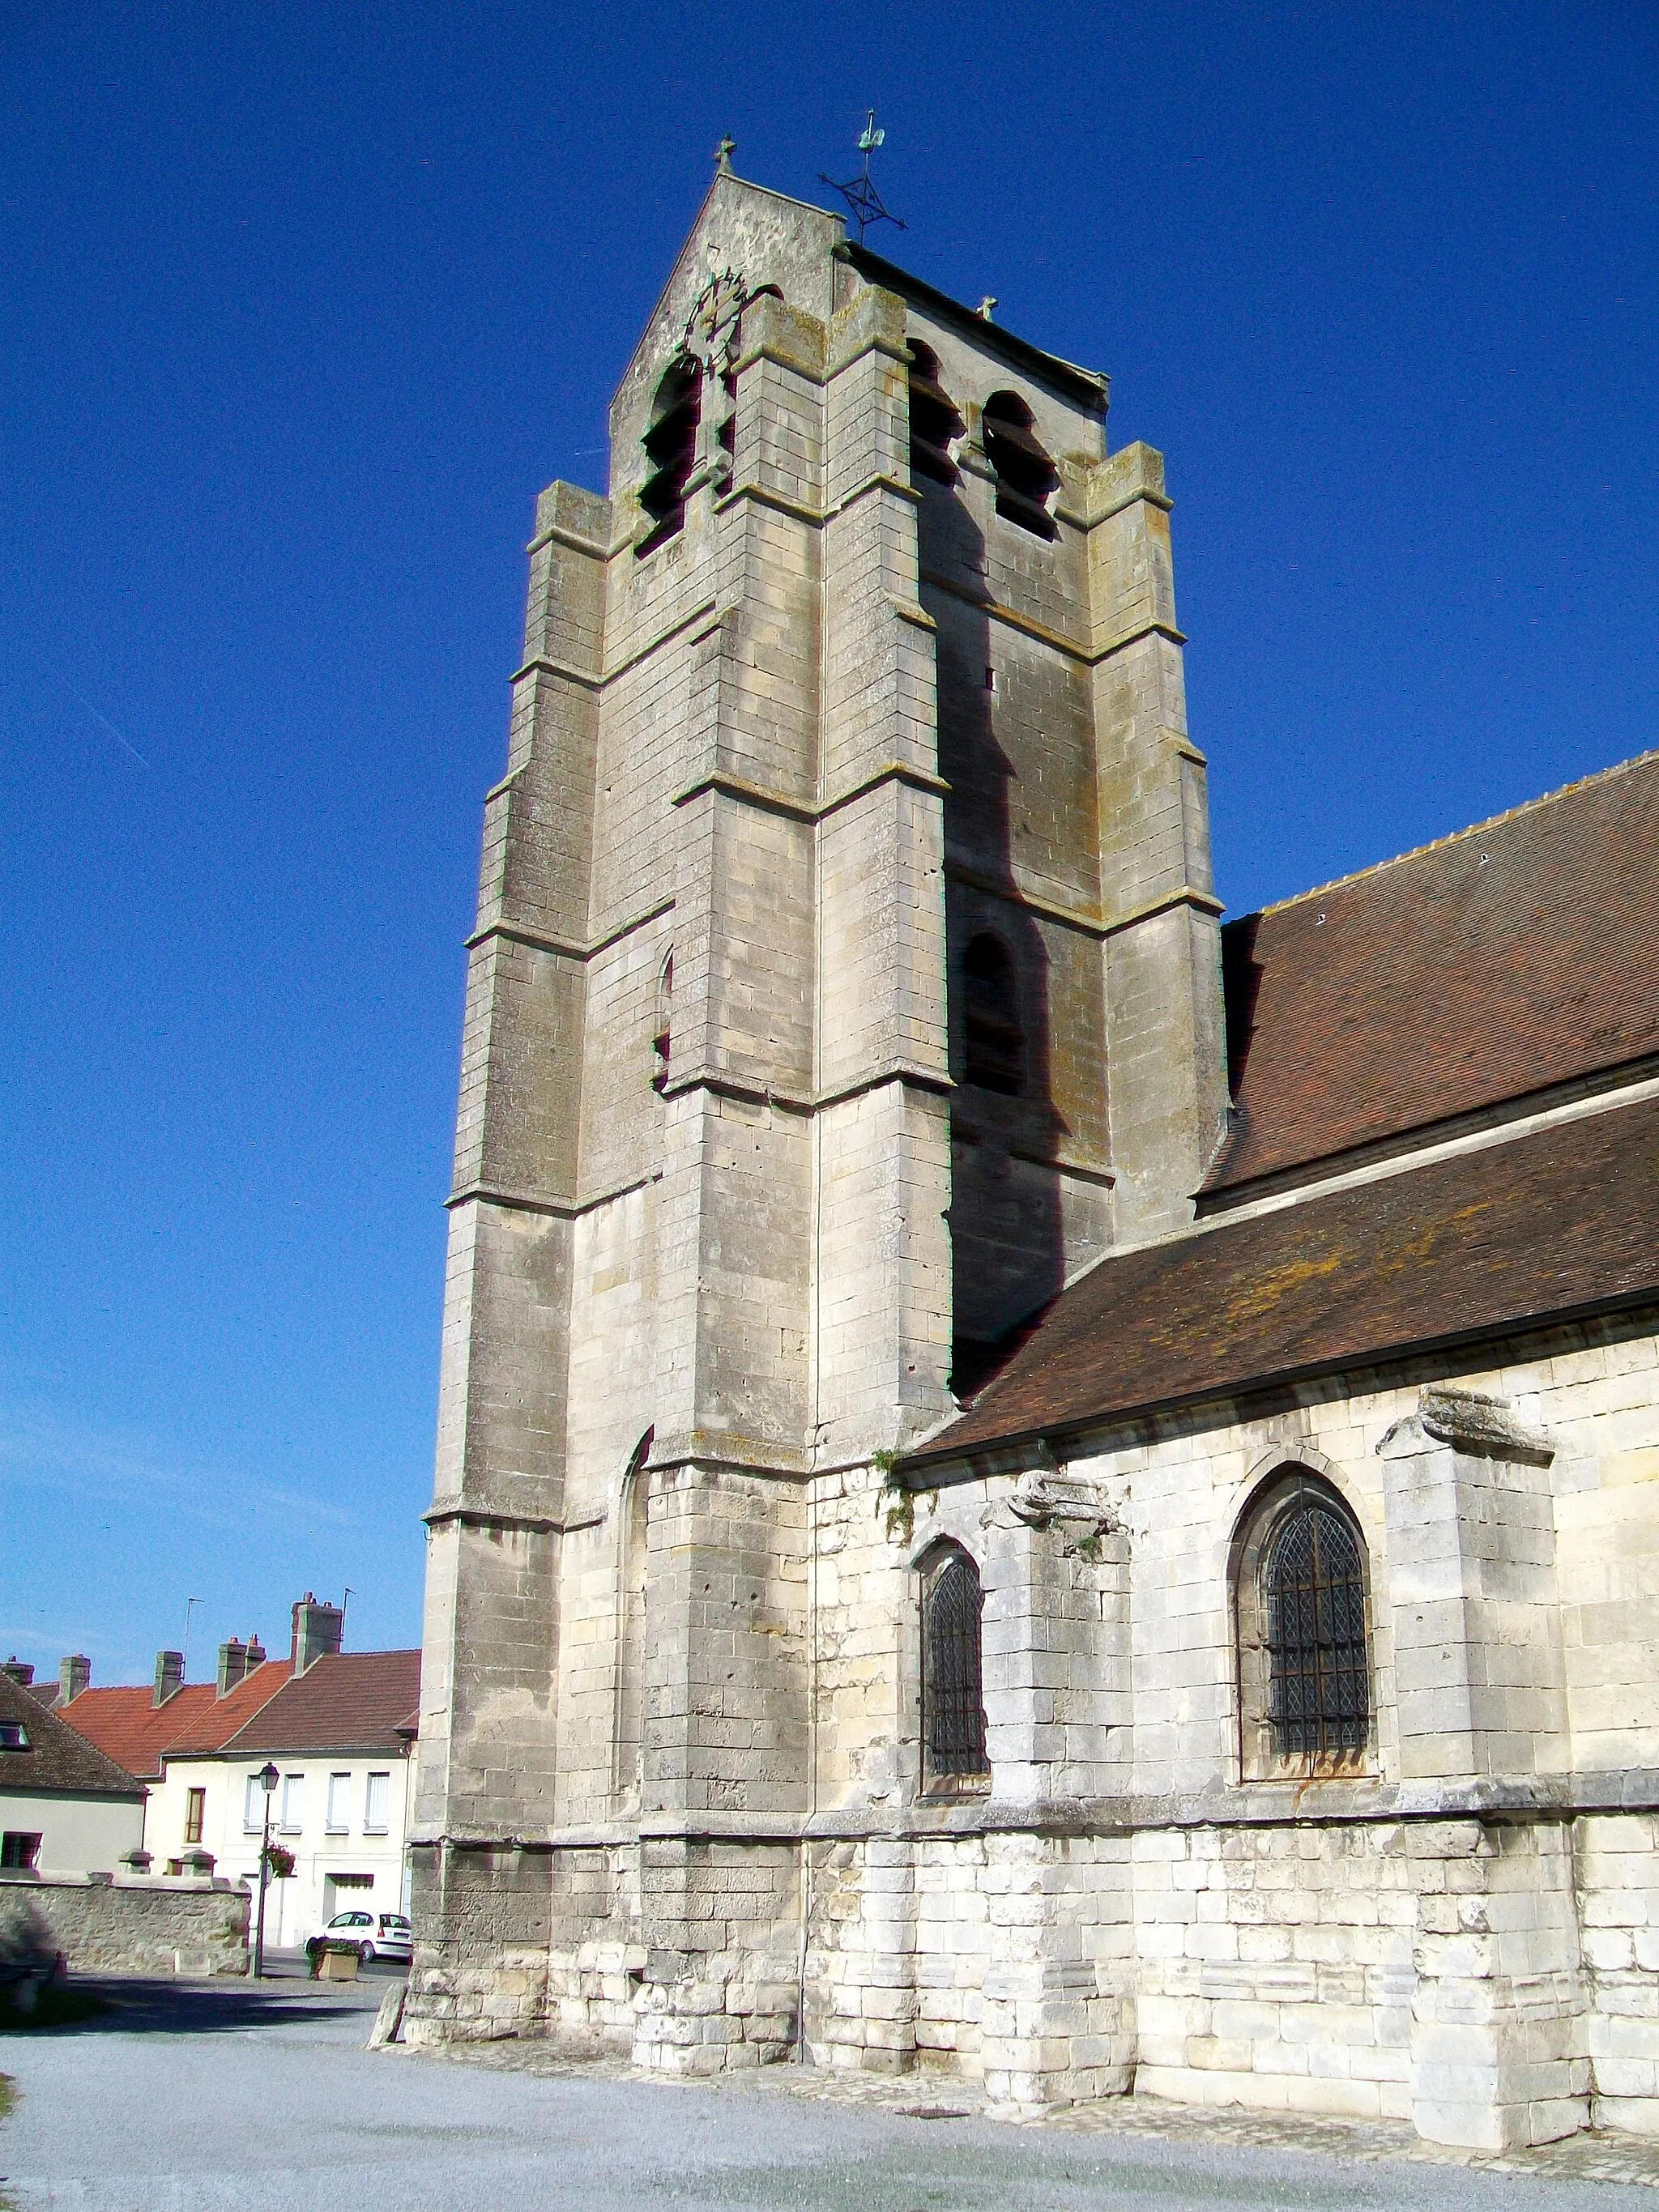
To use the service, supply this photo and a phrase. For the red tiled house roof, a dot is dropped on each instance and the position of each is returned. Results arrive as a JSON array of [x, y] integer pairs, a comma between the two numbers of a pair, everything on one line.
[[126, 1723], [1561, 1223], [55, 1756], [349, 1701], [1505, 961]]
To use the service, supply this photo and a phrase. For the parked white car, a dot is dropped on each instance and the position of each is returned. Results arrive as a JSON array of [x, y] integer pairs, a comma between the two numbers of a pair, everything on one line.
[[375, 1935]]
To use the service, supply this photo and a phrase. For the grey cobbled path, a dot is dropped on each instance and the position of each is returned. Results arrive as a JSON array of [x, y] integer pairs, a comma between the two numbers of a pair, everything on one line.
[[225, 2097]]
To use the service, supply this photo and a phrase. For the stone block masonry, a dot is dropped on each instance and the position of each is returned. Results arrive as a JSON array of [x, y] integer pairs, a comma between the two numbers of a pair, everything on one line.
[[132, 1925]]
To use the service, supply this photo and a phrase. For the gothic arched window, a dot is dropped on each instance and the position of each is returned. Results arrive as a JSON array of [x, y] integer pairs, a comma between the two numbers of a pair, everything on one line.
[[671, 450], [994, 1037], [1304, 1664], [1026, 477], [953, 1756], [934, 421]]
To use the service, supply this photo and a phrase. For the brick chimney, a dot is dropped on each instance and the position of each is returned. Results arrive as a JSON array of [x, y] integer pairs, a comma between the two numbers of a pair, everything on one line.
[[233, 1665], [317, 1630], [256, 1654], [74, 1675], [20, 1671], [169, 1675]]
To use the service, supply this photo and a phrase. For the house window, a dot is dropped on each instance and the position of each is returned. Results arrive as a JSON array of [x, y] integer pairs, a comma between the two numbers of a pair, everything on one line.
[[953, 1756], [1026, 477], [337, 1820], [293, 1803], [670, 450], [375, 1805], [994, 1040], [195, 1812], [13, 1736], [19, 1854], [1301, 1605], [253, 1806], [934, 422]]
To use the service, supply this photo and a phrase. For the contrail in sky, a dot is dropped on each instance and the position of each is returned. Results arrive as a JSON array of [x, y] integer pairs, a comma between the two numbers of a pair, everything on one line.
[[119, 736]]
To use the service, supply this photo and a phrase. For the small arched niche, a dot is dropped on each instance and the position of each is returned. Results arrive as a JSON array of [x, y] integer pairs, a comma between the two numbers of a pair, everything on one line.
[[1026, 477], [1302, 1615]]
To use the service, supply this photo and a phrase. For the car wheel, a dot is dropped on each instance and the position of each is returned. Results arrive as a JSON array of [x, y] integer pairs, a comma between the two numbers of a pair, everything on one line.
[[365, 1952]]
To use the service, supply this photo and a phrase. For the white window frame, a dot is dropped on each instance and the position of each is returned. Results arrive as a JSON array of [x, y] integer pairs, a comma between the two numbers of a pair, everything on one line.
[[253, 1806], [293, 1823], [336, 1819], [383, 1826]]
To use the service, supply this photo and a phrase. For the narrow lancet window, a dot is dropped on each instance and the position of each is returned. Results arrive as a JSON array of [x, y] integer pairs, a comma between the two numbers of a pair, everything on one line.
[[934, 421], [994, 1037], [1026, 477], [670, 450], [1313, 1600], [952, 1698], [662, 1025]]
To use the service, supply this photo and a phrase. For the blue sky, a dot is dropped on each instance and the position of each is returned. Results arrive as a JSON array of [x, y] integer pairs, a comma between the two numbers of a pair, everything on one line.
[[301, 305]]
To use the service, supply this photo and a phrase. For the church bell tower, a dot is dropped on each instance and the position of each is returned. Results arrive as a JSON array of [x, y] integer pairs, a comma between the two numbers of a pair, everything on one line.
[[845, 978]]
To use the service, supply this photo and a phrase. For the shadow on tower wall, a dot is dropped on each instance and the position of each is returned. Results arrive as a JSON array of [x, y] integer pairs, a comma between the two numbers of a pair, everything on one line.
[[1006, 1234]]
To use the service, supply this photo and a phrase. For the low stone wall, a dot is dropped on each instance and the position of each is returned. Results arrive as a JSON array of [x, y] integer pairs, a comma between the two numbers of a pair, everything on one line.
[[133, 1925]]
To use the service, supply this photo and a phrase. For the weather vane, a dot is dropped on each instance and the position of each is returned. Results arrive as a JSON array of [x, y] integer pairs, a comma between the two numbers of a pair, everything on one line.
[[863, 200]]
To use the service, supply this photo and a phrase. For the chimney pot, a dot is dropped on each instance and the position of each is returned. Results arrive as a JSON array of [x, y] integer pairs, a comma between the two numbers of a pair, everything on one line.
[[74, 1675], [20, 1671], [317, 1630], [233, 1665], [169, 1675]]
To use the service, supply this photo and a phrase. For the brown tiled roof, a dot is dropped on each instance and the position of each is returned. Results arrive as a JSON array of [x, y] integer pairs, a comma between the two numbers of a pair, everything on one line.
[[126, 1723], [58, 1756], [349, 1701], [1562, 1222], [1513, 956]]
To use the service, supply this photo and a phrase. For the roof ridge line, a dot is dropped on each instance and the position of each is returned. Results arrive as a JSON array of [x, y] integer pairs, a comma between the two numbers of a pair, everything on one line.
[[1474, 829]]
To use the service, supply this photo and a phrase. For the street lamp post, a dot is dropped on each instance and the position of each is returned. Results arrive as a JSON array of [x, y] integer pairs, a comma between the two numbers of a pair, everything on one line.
[[267, 1778]]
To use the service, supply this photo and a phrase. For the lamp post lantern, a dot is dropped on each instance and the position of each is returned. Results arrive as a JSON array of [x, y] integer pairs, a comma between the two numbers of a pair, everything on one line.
[[267, 1778]]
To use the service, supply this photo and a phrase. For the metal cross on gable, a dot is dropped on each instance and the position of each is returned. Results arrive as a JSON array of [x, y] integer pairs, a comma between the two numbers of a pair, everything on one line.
[[864, 201]]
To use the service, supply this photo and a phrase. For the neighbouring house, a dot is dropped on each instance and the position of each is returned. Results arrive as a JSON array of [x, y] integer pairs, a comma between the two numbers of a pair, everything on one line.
[[342, 1734], [340, 1726], [65, 1807]]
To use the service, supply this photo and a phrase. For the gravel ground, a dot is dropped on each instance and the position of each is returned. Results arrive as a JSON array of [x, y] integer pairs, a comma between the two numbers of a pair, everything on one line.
[[224, 2097]]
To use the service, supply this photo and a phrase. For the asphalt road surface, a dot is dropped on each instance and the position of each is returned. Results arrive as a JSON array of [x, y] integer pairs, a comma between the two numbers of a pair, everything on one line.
[[227, 2098]]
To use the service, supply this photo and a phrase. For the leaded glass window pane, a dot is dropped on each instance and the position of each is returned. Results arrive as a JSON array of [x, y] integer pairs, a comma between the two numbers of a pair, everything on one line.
[[1319, 1695]]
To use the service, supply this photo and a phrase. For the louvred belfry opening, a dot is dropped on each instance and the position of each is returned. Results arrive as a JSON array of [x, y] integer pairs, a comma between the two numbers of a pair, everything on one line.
[[1318, 1694], [1026, 477], [934, 421], [670, 447], [993, 1036]]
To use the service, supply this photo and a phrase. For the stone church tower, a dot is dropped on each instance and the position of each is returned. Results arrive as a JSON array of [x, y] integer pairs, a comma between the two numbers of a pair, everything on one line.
[[846, 976], [1024, 1482]]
